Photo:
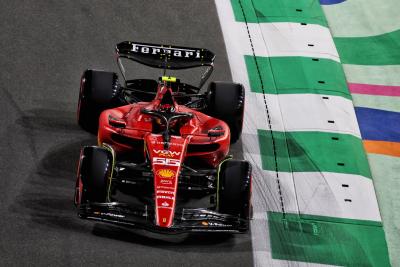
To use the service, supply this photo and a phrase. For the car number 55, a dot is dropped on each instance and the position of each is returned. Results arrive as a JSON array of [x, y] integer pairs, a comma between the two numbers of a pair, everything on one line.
[[165, 161]]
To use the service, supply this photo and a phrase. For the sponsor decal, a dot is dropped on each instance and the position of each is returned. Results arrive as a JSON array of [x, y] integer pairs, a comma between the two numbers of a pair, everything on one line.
[[162, 143], [112, 215], [166, 153], [166, 162], [128, 182], [166, 173], [219, 224], [174, 52], [165, 187], [205, 223], [166, 197], [165, 192], [163, 181]]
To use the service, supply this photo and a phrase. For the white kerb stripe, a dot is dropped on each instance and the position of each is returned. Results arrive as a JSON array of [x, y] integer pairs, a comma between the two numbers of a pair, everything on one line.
[[324, 194], [294, 39], [310, 112], [300, 112], [278, 39]]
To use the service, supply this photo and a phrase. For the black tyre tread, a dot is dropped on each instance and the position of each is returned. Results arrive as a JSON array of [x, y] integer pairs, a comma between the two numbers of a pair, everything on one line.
[[86, 112], [226, 102], [100, 92], [234, 191], [95, 171]]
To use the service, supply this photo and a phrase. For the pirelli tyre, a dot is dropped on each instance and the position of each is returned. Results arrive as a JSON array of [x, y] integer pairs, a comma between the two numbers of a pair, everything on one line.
[[99, 90], [234, 188], [94, 172], [225, 101]]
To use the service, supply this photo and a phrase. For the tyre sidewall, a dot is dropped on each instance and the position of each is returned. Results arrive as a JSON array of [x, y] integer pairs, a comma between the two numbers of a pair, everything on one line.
[[99, 91], [225, 101], [95, 171], [235, 188]]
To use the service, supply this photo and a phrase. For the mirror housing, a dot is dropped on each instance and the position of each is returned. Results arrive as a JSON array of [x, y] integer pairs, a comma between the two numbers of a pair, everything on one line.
[[115, 122]]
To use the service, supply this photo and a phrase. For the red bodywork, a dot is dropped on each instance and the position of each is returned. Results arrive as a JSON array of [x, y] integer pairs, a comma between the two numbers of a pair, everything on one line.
[[128, 130]]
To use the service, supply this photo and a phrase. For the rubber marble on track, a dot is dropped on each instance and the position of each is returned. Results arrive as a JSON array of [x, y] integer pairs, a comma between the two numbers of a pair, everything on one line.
[[44, 47]]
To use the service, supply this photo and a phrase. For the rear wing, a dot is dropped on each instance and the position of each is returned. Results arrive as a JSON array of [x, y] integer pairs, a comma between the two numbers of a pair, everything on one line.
[[165, 56]]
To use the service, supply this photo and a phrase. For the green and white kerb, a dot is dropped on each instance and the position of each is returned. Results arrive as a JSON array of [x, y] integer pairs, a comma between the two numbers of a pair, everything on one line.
[[313, 196]]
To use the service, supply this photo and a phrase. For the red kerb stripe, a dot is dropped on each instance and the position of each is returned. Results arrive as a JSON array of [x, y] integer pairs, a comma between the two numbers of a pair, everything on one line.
[[371, 89]]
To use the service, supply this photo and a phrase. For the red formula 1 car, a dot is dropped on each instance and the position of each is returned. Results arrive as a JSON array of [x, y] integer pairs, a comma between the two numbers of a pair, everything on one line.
[[162, 160]]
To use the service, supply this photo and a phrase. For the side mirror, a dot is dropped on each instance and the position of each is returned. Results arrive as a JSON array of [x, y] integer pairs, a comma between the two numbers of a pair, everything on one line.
[[117, 123], [215, 132]]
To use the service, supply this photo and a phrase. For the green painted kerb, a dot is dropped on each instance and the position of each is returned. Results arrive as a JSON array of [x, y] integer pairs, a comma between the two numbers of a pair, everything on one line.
[[324, 240], [296, 75], [372, 50], [313, 152], [256, 11]]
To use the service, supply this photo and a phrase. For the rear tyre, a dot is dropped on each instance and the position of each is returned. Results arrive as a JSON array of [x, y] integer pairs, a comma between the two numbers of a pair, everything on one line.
[[94, 175], [99, 91], [234, 188], [225, 101]]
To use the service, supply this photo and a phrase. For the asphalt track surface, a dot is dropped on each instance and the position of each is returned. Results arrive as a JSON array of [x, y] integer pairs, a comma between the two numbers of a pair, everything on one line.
[[44, 47]]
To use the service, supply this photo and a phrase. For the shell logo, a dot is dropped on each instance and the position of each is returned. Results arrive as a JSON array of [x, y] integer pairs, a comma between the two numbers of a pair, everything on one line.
[[166, 173]]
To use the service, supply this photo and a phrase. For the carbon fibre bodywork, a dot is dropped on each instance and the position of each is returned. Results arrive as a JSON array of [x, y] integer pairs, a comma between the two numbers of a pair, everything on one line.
[[157, 163], [186, 220]]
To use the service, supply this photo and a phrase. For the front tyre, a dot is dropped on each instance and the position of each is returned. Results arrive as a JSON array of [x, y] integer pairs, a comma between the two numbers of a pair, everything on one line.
[[94, 175], [234, 188]]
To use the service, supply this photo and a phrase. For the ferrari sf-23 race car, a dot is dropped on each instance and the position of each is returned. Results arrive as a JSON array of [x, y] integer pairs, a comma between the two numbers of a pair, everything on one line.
[[162, 161]]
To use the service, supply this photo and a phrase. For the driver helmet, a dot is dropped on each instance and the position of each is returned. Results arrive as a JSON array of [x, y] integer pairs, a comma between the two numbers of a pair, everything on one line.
[[168, 108], [167, 103]]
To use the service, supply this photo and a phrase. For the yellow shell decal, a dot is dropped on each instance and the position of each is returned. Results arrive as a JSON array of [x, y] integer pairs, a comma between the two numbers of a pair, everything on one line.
[[166, 173]]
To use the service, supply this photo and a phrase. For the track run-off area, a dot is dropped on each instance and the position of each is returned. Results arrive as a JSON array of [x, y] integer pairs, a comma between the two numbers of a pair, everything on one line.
[[314, 197], [313, 193]]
